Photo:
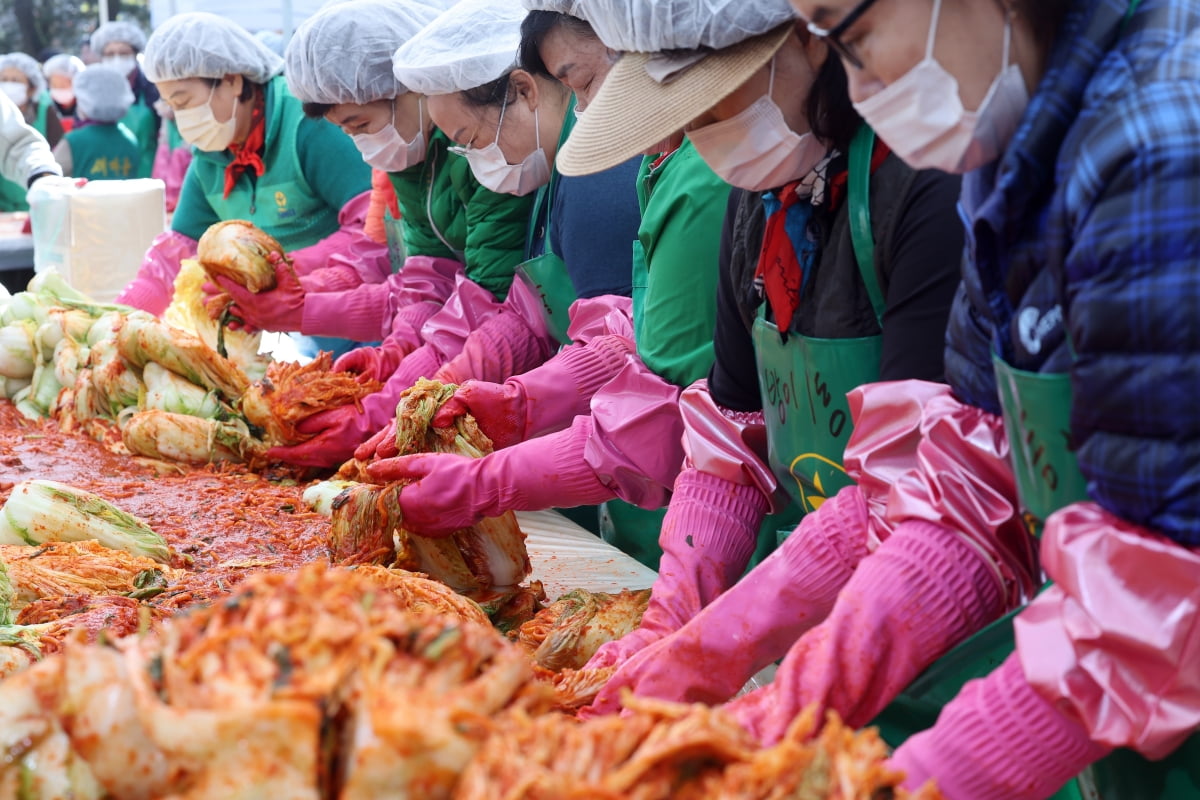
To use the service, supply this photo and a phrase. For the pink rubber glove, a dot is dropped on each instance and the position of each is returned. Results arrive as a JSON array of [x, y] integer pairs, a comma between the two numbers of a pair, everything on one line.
[[378, 362], [452, 492], [708, 657], [707, 539], [400, 305], [998, 740], [154, 285], [511, 342], [340, 431], [922, 592], [542, 400], [280, 309], [503, 346]]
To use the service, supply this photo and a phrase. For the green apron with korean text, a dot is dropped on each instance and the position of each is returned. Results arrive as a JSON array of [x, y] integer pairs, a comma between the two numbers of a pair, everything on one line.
[[804, 380], [546, 275]]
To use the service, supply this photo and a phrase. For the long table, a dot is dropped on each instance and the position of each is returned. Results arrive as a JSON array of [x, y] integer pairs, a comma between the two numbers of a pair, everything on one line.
[[565, 556]]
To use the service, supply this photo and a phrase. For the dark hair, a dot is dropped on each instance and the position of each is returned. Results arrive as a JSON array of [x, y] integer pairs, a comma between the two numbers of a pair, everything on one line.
[[316, 110], [494, 94], [831, 115], [248, 86], [534, 30]]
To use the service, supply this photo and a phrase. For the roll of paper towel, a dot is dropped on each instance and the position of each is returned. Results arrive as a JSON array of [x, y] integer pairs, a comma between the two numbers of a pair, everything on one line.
[[95, 235]]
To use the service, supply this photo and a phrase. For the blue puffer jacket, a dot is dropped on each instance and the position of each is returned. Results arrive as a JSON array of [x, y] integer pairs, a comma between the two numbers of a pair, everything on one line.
[[1089, 228]]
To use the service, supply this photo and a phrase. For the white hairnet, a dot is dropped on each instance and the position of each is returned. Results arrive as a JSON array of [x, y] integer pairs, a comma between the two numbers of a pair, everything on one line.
[[29, 66], [103, 93], [63, 64], [120, 31], [272, 39], [202, 45], [473, 43], [343, 53], [651, 26]]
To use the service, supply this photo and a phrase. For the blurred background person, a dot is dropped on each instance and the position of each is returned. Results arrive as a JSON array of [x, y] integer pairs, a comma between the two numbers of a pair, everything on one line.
[[60, 72], [119, 44], [22, 82], [100, 147]]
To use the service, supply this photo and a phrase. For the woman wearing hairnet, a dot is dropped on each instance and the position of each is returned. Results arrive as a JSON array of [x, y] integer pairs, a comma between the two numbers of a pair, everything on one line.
[[580, 246], [118, 44], [257, 158], [60, 71], [100, 147], [21, 80], [462, 240], [623, 447]]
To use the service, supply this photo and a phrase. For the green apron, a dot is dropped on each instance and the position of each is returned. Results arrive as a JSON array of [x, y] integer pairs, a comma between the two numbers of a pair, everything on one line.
[[12, 194], [804, 380], [141, 120], [546, 275]]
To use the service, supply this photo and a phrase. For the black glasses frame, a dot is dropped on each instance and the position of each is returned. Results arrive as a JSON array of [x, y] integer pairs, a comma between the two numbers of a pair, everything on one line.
[[834, 35]]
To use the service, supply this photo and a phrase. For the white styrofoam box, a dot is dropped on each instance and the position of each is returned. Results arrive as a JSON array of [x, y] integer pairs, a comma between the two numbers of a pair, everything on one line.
[[95, 235]]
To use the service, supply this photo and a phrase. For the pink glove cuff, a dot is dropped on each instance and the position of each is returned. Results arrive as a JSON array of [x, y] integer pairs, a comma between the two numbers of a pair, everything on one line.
[[503, 346], [413, 316], [959, 589], [334, 278], [729, 548], [998, 740], [568, 481], [357, 315], [822, 554], [420, 363], [548, 403]]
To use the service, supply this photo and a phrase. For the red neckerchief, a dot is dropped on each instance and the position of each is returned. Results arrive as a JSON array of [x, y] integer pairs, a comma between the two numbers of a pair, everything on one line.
[[779, 269], [248, 154]]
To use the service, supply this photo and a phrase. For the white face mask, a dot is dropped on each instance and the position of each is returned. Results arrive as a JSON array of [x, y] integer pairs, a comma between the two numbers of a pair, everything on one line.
[[64, 97], [493, 171], [756, 149], [122, 64], [198, 126], [922, 118], [16, 91], [387, 150]]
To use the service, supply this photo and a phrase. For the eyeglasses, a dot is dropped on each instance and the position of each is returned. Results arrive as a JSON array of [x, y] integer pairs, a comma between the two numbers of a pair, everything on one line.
[[834, 35]]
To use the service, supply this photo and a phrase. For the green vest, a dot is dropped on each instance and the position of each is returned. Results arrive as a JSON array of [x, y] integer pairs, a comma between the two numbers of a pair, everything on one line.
[[280, 201], [12, 195], [103, 152], [142, 122]]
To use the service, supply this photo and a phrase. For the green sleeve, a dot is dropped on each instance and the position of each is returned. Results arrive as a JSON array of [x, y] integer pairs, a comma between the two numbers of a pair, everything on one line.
[[681, 237], [497, 225], [332, 165], [420, 239], [193, 214]]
